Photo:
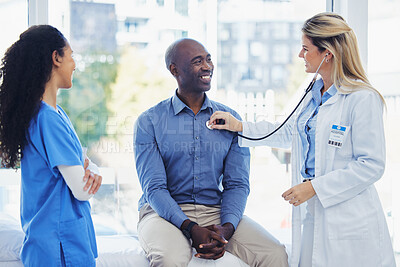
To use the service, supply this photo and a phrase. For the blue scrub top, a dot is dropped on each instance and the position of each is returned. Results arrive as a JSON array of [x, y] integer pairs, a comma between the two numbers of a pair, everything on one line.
[[53, 220]]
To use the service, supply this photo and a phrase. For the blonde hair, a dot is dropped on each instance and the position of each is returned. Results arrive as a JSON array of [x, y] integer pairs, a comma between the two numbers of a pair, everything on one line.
[[330, 31]]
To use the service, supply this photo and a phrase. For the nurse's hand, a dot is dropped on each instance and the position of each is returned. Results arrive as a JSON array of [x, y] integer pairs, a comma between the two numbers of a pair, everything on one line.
[[299, 193], [93, 180], [231, 123]]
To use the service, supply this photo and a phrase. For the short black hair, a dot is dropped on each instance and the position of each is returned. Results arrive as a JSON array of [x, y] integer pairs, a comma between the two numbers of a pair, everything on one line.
[[170, 54], [172, 50]]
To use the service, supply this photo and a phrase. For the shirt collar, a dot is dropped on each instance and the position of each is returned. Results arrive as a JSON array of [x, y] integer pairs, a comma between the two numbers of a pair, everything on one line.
[[316, 91], [332, 90], [178, 105]]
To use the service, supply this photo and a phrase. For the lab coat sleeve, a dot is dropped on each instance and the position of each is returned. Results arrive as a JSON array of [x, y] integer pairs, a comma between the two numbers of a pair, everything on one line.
[[368, 162], [152, 174], [281, 139]]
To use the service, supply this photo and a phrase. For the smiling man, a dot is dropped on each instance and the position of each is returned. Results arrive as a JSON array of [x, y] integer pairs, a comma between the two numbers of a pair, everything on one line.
[[195, 181]]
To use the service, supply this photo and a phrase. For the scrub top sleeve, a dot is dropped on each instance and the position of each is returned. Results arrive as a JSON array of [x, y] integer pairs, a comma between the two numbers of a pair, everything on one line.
[[60, 144]]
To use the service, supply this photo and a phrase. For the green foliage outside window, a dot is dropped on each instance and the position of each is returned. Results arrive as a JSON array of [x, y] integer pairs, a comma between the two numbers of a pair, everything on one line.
[[86, 102]]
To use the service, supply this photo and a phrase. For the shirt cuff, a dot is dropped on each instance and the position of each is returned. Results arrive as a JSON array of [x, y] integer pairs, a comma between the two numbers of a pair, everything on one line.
[[230, 218], [178, 219]]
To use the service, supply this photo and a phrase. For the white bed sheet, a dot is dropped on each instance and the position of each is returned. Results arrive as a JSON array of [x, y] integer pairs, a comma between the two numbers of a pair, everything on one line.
[[11, 264], [125, 251], [120, 251], [114, 251]]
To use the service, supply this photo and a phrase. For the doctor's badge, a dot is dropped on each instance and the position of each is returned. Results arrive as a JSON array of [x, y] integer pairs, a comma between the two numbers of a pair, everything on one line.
[[337, 135]]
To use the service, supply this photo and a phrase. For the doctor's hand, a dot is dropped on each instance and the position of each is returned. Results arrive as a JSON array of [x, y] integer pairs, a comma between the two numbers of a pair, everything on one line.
[[299, 193], [231, 123], [93, 180]]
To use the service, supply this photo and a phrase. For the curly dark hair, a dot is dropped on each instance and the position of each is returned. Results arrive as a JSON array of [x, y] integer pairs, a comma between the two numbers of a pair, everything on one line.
[[26, 68]]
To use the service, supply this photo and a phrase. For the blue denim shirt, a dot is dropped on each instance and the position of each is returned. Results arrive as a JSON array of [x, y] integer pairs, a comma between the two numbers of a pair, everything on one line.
[[179, 160], [307, 125]]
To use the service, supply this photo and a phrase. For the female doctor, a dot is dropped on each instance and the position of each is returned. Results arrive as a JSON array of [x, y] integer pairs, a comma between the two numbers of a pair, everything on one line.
[[338, 153], [57, 178]]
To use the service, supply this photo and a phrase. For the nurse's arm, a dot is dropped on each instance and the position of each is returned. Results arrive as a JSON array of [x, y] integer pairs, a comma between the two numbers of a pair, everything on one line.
[[89, 164], [80, 180], [92, 167]]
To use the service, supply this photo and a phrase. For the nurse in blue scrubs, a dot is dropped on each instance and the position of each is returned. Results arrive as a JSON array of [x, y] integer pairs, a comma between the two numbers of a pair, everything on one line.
[[57, 179]]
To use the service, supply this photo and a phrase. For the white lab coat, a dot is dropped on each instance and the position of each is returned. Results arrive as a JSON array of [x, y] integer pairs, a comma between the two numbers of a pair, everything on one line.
[[350, 229]]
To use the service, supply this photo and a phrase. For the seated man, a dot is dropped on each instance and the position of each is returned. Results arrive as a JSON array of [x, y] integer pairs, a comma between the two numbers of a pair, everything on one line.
[[195, 181]]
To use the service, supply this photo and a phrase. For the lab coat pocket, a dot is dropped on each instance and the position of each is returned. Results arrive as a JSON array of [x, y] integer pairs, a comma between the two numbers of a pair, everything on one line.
[[344, 220]]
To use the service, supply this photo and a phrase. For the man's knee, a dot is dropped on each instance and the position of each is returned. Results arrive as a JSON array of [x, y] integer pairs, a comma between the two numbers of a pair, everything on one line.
[[170, 258], [277, 256]]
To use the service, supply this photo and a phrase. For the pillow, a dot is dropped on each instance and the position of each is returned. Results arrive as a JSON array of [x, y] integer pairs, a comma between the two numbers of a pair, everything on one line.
[[11, 239]]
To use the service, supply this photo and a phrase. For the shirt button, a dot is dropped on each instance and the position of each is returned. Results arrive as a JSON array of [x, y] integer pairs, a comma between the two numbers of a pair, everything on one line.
[[196, 178], [197, 137], [193, 196], [197, 158]]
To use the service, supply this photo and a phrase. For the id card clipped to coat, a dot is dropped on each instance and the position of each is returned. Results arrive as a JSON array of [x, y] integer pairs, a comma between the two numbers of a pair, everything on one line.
[[337, 135]]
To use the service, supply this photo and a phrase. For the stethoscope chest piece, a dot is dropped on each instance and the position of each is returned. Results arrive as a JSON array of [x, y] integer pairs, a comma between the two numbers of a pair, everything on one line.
[[208, 125]]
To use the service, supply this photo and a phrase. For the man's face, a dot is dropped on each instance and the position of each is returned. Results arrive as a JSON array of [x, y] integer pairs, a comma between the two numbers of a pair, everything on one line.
[[194, 67]]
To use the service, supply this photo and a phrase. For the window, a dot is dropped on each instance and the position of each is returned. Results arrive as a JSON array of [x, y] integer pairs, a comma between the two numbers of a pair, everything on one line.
[[240, 53], [384, 74], [259, 36], [119, 48], [15, 11], [263, 63], [120, 72], [278, 73], [256, 49], [181, 6], [14, 18], [281, 53], [280, 31]]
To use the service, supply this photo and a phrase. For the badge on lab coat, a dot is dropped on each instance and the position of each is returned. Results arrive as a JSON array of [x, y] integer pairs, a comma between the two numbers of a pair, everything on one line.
[[337, 136]]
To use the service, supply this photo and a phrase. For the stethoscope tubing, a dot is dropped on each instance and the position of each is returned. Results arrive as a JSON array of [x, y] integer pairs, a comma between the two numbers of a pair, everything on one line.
[[294, 110]]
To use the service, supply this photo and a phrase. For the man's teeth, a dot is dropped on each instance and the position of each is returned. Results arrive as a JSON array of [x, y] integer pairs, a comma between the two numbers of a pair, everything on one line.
[[206, 77]]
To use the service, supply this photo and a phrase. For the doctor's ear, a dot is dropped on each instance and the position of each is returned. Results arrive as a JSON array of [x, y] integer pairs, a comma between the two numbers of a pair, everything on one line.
[[328, 56]]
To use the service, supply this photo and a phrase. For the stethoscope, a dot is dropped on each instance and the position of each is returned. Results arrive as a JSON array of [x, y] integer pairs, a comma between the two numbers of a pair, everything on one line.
[[283, 123]]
